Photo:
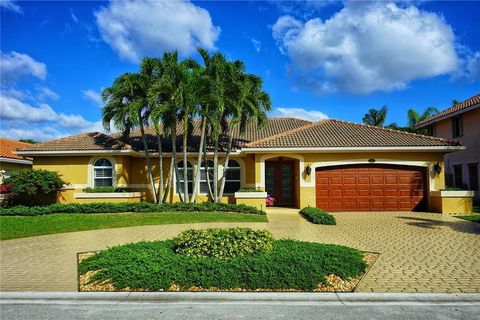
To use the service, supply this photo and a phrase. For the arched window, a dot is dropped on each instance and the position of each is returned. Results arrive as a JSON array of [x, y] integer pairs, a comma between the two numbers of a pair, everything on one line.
[[232, 181], [189, 176], [102, 173], [203, 176]]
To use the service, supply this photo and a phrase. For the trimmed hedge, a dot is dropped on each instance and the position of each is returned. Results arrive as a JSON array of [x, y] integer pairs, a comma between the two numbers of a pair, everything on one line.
[[318, 216], [102, 207], [154, 266], [223, 243]]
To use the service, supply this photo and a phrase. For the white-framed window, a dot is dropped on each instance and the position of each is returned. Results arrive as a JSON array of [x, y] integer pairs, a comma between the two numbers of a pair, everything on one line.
[[180, 177], [102, 173], [203, 176], [232, 179]]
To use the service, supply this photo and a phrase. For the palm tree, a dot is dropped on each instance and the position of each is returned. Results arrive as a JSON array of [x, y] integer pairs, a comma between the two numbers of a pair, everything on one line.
[[248, 102], [376, 117], [126, 104], [414, 117]]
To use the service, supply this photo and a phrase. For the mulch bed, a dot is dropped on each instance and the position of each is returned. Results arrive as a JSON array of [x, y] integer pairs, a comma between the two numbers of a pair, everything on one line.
[[333, 282]]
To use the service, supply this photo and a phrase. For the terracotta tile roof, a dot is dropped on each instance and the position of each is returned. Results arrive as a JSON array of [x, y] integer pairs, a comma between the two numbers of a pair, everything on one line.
[[335, 133], [279, 133], [461, 106], [252, 133], [7, 147], [84, 141]]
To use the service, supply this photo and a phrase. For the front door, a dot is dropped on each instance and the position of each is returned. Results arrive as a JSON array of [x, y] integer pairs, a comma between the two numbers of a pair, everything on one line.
[[279, 182]]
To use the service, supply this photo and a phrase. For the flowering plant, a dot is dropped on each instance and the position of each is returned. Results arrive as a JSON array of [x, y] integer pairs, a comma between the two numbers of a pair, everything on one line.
[[270, 201], [6, 188]]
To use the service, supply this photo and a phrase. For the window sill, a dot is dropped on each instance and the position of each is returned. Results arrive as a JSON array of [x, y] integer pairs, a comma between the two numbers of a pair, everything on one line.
[[97, 195]]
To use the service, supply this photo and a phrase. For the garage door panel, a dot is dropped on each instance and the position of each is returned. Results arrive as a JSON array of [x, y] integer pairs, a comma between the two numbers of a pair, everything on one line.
[[370, 187]]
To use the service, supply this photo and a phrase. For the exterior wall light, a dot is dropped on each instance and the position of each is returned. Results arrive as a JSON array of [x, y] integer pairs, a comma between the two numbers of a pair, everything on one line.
[[437, 168], [371, 160], [308, 170]]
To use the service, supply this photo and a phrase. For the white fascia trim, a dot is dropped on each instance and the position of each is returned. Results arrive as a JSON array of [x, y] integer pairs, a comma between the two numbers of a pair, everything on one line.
[[107, 195], [77, 152], [19, 161], [456, 113], [354, 149]]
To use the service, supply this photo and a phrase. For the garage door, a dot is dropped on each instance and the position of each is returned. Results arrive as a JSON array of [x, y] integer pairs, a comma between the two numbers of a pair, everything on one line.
[[370, 188]]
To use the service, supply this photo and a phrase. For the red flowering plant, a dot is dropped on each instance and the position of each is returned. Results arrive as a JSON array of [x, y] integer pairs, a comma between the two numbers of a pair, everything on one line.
[[270, 201], [6, 188]]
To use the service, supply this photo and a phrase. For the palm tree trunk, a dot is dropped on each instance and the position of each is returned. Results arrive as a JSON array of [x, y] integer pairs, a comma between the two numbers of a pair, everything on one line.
[[199, 161], [215, 172], [169, 181], [160, 167], [207, 173], [185, 163], [175, 163], [225, 165], [147, 158]]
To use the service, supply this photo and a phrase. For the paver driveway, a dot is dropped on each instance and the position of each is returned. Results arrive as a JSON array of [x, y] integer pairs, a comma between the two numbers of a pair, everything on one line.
[[421, 252]]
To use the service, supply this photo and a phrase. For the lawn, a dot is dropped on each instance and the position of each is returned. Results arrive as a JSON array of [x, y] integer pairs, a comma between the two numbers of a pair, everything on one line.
[[473, 218], [12, 227], [156, 266]]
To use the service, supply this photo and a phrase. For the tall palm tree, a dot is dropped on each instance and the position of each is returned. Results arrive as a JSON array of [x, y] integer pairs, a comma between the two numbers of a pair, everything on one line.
[[126, 104], [376, 117], [247, 102]]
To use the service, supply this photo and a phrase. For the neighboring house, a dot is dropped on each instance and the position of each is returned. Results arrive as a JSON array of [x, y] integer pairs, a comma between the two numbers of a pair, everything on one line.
[[460, 122], [332, 164], [9, 161]]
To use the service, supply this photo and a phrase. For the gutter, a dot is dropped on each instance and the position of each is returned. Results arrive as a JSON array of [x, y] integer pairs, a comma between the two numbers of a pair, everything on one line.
[[19, 161]]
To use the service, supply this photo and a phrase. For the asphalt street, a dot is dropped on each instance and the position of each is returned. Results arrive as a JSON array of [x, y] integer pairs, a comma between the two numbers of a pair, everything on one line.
[[244, 310]]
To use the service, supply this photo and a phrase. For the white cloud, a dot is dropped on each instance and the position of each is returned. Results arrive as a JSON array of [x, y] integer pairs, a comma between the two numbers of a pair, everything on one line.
[[22, 120], [16, 65], [135, 29], [73, 16], [44, 93], [93, 96], [257, 44], [299, 113], [10, 5], [367, 47]]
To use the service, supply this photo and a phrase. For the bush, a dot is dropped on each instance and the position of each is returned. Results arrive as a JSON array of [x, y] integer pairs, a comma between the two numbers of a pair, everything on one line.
[[102, 207], [250, 190], [33, 187], [318, 216], [105, 189], [290, 264], [223, 243]]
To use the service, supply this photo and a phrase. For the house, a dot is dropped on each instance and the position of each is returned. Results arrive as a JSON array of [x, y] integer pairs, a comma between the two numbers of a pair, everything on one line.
[[9, 161], [335, 165], [461, 123]]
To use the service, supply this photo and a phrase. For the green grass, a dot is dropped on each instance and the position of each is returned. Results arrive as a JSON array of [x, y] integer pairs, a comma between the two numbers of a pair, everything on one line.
[[473, 218], [290, 264], [12, 227]]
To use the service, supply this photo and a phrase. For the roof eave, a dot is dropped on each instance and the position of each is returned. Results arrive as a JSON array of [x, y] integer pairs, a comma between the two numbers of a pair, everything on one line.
[[453, 114], [356, 149], [73, 152], [17, 161]]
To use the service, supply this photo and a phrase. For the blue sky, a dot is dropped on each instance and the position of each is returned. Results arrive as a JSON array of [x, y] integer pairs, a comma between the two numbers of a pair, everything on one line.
[[317, 59]]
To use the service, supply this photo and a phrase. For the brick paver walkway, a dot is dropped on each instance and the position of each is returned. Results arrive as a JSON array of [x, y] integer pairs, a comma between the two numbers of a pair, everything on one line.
[[421, 252]]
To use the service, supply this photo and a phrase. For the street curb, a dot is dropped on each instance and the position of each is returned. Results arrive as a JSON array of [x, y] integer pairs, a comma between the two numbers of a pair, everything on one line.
[[238, 298]]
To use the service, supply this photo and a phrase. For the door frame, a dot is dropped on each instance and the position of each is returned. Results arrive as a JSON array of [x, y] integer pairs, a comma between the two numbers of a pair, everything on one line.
[[276, 163]]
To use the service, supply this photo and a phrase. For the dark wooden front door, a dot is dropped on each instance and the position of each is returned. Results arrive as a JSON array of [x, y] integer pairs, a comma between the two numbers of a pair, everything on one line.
[[280, 182]]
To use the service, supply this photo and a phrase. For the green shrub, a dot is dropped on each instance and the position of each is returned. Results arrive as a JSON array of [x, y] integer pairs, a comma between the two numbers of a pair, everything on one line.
[[102, 207], [290, 264], [105, 189], [318, 216], [223, 243], [33, 187]]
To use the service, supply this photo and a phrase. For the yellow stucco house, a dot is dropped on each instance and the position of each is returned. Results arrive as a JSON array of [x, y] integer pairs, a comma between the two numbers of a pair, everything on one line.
[[331, 164], [9, 161]]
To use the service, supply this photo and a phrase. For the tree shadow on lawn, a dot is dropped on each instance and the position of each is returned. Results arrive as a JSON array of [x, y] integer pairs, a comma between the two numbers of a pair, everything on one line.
[[460, 225]]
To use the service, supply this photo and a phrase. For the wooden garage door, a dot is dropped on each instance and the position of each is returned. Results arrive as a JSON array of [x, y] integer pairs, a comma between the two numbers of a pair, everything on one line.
[[370, 188]]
